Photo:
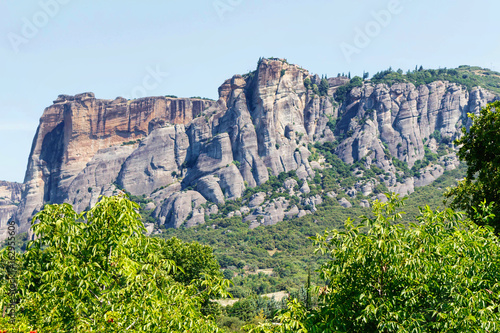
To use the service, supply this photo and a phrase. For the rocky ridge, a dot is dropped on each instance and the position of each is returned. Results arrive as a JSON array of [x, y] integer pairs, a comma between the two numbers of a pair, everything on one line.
[[189, 157]]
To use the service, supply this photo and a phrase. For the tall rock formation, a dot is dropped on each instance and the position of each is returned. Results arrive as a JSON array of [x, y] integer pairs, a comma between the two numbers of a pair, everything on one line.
[[185, 153]]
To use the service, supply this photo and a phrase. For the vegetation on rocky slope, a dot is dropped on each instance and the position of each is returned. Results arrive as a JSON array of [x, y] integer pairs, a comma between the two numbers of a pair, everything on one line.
[[468, 76]]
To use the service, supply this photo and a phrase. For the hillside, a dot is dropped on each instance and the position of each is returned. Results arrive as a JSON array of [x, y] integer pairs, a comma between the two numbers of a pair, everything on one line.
[[277, 144], [467, 76]]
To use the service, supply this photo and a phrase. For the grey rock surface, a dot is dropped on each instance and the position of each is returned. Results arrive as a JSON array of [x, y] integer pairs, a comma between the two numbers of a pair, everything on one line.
[[261, 125], [256, 200], [180, 207], [345, 203]]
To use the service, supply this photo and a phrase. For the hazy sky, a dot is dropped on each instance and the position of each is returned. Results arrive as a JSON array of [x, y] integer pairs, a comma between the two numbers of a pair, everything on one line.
[[188, 48]]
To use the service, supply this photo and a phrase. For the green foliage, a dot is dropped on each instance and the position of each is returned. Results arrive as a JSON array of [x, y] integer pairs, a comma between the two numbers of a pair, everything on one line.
[[204, 98], [133, 142], [323, 87], [438, 275], [272, 185], [467, 76], [436, 135], [250, 307], [332, 122], [480, 149], [315, 89], [343, 91], [401, 167], [308, 83], [85, 269]]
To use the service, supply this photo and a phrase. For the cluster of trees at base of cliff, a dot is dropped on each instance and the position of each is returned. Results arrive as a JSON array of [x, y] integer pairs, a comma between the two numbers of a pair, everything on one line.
[[97, 272]]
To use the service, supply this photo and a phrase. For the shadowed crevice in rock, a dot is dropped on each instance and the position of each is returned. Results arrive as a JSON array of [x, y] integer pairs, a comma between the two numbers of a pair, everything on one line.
[[52, 154]]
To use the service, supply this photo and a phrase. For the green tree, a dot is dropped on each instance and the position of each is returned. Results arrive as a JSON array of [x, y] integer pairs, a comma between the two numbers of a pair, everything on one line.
[[98, 272], [480, 149], [439, 275], [323, 87]]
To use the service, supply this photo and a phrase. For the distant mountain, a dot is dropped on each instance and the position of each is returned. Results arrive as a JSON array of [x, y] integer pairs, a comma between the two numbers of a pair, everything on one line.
[[259, 148]]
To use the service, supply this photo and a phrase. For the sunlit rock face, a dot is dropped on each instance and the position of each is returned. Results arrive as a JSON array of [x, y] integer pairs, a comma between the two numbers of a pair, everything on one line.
[[183, 153]]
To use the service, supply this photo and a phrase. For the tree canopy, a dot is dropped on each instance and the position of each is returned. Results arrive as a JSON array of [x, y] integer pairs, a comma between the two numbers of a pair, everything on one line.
[[437, 275], [98, 272], [480, 149]]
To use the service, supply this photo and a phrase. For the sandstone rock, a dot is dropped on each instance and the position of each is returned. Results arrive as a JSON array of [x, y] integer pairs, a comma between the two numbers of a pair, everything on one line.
[[364, 203], [162, 194], [430, 174], [96, 178], [181, 207], [293, 212], [315, 165], [351, 192], [150, 206], [150, 227], [10, 195], [313, 202], [305, 188], [450, 162], [406, 188], [345, 203], [75, 128], [213, 209], [209, 187], [402, 116], [332, 194], [156, 162], [290, 184], [253, 225], [158, 146], [256, 200], [197, 217], [381, 197], [231, 182], [302, 213], [367, 189], [244, 210]]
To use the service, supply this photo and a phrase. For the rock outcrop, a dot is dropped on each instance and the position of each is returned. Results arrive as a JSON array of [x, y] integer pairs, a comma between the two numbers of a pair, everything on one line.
[[10, 195], [185, 153], [402, 117]]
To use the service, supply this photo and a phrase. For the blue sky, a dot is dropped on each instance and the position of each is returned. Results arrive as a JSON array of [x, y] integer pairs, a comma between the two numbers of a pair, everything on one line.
[[111, 47]]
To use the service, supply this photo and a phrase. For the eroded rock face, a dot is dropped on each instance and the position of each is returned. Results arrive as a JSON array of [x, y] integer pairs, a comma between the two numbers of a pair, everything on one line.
[[261, 125], [180, 207], [10, 195], [402, 118], [75, 128], [156, 162]]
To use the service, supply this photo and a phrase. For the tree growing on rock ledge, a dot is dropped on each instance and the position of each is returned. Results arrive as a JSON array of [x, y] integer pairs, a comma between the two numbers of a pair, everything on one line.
[[97, 272]]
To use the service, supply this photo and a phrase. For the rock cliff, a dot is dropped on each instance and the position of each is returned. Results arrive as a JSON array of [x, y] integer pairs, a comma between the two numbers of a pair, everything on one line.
[[186, 154], [10, 196]]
